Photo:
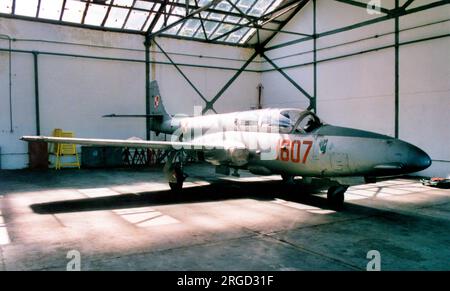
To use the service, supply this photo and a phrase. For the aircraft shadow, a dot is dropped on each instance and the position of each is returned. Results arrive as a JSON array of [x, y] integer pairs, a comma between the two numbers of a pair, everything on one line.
[[216, 191]]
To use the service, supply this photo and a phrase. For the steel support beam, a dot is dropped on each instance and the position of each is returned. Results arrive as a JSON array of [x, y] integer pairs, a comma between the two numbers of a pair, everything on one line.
[[181, 72], [399, 13], [63, 8], [193, 13], [303, 91], [262, 48], [128, 14], [157, 16], [36, 92], [407, 3], [38, 8], [85, 12], [361, 52], [363, 5], [201, 21], [210, 104]]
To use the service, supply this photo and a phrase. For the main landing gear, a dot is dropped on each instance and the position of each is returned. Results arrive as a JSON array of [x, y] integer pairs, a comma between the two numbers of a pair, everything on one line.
[[335, 196], [288, 179], [177, 178], [173, 171]]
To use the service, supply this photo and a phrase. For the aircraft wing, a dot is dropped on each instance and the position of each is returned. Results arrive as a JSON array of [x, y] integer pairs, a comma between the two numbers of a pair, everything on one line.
[[133, 143]]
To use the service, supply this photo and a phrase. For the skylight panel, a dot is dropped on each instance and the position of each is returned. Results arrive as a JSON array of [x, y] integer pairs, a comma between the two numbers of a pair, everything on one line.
[[244, 5], [173, 30], [6, 6], [150, 20], [190, 27], [260, 7], [136, 19], [237, 35], [248, 35], [221, 21], [26, 7], [50, 9], [224, 6], [95, 14], [116, 17], [203, 2], [144, 5], [224, 28], [73, 11], [124, 3], [275, 4]]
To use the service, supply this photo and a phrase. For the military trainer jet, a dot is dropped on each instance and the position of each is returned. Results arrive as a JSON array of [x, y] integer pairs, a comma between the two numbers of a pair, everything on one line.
[[288, 142]]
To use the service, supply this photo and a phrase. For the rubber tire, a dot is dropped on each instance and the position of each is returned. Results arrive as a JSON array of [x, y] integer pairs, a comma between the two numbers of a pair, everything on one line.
[[288, 179], [335, 196], [177, 186]]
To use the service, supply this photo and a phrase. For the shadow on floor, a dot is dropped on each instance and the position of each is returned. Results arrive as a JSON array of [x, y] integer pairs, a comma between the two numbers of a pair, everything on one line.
[[216, 191]]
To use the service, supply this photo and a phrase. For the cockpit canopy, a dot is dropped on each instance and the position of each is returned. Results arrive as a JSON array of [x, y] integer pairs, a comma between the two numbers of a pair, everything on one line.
[[290, 121]]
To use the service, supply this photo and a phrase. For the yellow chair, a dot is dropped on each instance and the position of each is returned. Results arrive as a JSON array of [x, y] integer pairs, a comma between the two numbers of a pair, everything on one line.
[[64, 150]]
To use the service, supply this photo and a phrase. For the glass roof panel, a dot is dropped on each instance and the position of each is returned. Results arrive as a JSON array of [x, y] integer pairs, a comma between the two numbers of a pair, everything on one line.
[[95, 14], [136, 19], [26, 7], [244, 5], [6, 6], [248, 35], [73, 11], [149, 21], [220, 21], [50, 9], [144, 5], [116, 17], [190, 27], [124, 3]]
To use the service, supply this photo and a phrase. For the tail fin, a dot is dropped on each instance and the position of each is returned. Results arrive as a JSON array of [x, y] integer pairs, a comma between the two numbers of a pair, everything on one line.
[[158, 119], [156, 103]]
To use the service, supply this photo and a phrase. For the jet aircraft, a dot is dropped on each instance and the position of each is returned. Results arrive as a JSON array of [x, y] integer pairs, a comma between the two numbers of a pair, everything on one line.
[[276, 141]]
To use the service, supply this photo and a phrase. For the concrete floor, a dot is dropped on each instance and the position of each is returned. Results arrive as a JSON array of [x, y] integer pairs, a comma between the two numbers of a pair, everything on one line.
[[128, 220]]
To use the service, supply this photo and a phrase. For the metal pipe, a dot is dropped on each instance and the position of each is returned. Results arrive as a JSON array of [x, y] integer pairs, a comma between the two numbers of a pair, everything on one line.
[[147, 87], [359, 53], [11, 127], [313, 102], [36, 92], [358, 40], [129, 49], [397, 69], [128, 60]]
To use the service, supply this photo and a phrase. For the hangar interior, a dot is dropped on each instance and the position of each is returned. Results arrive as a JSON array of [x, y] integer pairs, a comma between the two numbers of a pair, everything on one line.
[[66, 63]]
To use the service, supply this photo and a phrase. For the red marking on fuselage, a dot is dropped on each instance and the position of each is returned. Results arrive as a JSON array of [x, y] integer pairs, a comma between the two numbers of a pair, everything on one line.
[[288, 150]]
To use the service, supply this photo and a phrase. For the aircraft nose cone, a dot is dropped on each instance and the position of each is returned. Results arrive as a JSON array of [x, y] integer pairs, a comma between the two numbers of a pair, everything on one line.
[[418, 160]]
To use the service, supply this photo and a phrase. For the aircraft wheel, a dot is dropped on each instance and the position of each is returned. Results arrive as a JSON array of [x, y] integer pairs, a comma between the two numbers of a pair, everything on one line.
[[178, 178], [335, 196], [288, 178]]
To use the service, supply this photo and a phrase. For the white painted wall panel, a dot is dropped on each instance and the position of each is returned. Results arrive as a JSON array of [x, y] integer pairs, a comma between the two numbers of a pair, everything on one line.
[[425, 100], [75, 92], [358, 91]]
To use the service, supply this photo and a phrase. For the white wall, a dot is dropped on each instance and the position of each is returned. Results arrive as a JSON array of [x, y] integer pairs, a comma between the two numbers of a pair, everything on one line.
[[358, 91], [76, 92]]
